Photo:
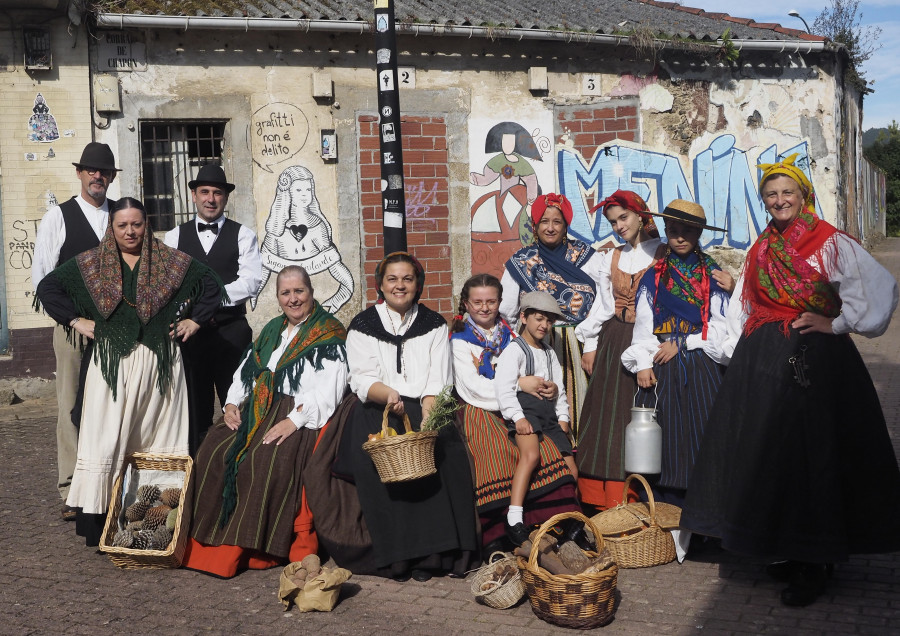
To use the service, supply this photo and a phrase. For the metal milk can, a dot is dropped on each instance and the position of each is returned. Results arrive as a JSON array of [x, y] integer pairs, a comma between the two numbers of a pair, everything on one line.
[[643, 441]]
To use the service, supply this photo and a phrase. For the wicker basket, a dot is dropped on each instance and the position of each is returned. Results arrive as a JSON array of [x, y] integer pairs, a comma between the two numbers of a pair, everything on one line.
[[171, 557], [635, 540], [402, 457], [500, 595], [583, 601]]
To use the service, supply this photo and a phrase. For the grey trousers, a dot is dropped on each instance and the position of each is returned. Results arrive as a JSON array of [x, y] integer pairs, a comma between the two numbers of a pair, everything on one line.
[[68, 364]]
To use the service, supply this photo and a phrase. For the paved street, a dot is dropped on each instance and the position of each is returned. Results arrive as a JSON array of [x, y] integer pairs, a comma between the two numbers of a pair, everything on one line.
[[51, 584]]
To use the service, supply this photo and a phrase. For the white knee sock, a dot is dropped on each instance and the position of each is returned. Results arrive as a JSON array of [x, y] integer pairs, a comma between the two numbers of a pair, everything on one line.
[[515, 515]]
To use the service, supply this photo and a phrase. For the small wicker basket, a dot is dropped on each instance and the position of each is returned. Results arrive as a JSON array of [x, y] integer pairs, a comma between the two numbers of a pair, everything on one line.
[[499, 594], [635, 539], [583, 601], [402, 457], [172, 556]]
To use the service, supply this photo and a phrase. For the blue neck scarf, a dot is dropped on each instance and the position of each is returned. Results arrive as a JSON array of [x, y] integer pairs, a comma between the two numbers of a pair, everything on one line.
[[472, 334]]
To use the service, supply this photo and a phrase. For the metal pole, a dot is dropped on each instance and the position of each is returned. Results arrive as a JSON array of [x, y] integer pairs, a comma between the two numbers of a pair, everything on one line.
[[393, 199]]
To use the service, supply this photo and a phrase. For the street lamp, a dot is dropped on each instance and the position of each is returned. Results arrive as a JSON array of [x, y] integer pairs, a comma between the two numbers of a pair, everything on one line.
[[796, 14]]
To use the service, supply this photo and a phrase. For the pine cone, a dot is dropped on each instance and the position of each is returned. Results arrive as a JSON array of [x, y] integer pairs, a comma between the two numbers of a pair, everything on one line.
[[142, 541], [161, 538], [137, 510], [148, 493], [123, 539], [172, 519], [171, 497], [134, 526], [155, 518]]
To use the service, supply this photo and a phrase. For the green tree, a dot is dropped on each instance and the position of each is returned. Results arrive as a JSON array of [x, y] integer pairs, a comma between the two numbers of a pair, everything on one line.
[[840, 21], [885, 153]]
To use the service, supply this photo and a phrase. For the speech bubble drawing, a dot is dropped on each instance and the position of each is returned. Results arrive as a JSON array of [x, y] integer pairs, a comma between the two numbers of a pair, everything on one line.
[[277, 132]]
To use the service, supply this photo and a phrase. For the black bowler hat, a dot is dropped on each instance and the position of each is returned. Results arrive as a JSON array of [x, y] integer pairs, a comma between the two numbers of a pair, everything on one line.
[[98, 156], [211, 174]]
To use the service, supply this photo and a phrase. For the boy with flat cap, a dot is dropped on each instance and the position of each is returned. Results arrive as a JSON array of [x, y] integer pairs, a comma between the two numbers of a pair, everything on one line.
[[65, 231], [231, 250]]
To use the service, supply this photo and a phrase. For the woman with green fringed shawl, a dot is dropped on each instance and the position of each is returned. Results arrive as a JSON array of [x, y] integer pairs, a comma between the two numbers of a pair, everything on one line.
[[134, 298], [249, 506]]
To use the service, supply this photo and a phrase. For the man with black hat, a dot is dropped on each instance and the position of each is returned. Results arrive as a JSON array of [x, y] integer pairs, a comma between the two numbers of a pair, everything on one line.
[[231, 250], [65, 231]]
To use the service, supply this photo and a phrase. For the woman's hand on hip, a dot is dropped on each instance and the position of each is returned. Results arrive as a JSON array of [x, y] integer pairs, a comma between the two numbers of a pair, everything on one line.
[[279, 432], [808, 322], [184, 329], [85, 328], [666, 351], [646, 378]]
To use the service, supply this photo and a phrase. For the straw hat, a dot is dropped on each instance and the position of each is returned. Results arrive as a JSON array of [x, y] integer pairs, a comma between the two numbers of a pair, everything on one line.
[[687, 212]]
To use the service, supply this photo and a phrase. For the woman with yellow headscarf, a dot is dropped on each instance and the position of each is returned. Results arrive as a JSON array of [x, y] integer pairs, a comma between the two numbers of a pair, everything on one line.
[[796, 443]]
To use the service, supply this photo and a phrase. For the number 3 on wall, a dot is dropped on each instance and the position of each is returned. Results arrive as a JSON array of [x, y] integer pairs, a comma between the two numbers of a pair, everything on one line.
[[590, 85], [406, 76]]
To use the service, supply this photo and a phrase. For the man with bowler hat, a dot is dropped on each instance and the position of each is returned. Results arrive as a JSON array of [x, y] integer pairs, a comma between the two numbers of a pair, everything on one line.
[[231, 250], [65, 231]]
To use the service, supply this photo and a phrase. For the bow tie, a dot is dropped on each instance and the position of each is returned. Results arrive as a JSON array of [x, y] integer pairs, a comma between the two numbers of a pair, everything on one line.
[[212, 227]]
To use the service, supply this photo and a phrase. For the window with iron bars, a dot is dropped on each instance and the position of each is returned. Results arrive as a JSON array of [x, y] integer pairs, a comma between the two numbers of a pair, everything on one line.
[[171, 155]]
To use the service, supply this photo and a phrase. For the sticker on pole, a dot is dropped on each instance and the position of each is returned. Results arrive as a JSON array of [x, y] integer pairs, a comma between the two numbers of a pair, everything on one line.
[[386, 81], [393, 219]]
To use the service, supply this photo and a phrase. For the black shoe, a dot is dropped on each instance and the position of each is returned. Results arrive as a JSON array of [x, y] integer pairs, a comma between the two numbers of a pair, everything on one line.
[[782, 570], [69, 513], [573, 530], [401, 578], [421, 575], [807, 584], [518, 534]]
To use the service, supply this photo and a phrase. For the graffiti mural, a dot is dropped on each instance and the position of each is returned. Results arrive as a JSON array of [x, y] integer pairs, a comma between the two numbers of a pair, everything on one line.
[[504, 190], [42, 124], [724, 181], [297, 233]]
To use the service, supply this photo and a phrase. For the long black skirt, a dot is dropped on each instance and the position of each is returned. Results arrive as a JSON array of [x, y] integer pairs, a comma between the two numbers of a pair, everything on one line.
[[427, 523], [786, 471], [607, 406]]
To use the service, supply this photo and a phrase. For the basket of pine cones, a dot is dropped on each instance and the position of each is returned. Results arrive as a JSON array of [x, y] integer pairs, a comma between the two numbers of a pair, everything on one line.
[[148, 528]]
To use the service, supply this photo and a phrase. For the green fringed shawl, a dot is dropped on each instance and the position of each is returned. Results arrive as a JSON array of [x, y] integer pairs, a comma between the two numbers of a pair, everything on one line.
[[117, 335], [321, 337]]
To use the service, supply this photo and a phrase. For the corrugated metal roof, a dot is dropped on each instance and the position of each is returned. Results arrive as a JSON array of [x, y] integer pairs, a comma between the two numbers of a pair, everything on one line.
[[621, 17]]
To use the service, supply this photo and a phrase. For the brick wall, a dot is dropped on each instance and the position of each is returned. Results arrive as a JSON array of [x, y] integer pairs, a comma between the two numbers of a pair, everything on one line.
[[426, 180], [592, 126], [31, 354]]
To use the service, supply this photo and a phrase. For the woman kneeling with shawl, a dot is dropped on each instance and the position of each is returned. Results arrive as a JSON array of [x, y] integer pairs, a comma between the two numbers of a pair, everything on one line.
[[252, 514], [126, 295]]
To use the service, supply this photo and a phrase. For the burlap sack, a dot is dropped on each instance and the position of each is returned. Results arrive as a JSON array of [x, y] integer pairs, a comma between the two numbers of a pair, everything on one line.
[[320, 592]]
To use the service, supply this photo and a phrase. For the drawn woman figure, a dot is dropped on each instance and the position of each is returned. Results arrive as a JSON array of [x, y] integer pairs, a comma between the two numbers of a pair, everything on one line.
[[515, 146], [297, 233]]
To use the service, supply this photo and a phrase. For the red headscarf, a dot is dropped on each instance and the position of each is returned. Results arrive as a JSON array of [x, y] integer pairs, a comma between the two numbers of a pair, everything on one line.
[[551, 200], [630, 201]]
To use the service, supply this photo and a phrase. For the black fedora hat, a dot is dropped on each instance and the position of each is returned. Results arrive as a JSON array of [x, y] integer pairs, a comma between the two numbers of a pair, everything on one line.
[[97, 155], [211, 174]]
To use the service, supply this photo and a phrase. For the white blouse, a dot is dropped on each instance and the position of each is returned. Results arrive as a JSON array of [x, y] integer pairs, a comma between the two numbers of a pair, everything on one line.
[[425, 359], [644, 343], [473, 388], [317, 396], [631, 261], [509, 306], [868, 292], [511, 367]]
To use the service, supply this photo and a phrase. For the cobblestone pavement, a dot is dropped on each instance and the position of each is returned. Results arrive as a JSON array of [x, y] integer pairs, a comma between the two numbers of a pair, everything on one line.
[[51, 584]]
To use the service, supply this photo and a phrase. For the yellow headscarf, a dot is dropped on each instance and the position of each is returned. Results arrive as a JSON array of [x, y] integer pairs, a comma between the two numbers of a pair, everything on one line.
[[787, 168]]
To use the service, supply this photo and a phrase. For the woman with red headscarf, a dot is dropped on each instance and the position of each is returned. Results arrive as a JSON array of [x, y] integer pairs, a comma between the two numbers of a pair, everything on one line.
[[607, 406], [567, 269]]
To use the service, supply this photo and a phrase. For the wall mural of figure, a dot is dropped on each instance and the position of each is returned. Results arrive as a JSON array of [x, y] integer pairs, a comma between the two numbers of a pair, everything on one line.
[[42, 124], [500, 221], [297, 233]]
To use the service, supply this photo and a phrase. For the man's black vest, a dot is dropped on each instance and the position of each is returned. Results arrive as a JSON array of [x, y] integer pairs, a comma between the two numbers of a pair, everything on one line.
[[80, 235], [223, 257]]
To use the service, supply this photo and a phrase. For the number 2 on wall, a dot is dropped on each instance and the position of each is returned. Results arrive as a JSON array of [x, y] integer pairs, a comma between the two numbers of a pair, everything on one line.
[[406, 76]]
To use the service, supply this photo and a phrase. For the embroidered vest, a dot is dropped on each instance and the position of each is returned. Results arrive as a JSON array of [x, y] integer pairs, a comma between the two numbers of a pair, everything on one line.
[[625, 285]]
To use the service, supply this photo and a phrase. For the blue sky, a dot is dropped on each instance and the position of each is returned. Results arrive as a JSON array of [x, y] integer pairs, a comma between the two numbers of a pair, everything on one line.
[[880, 107]]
